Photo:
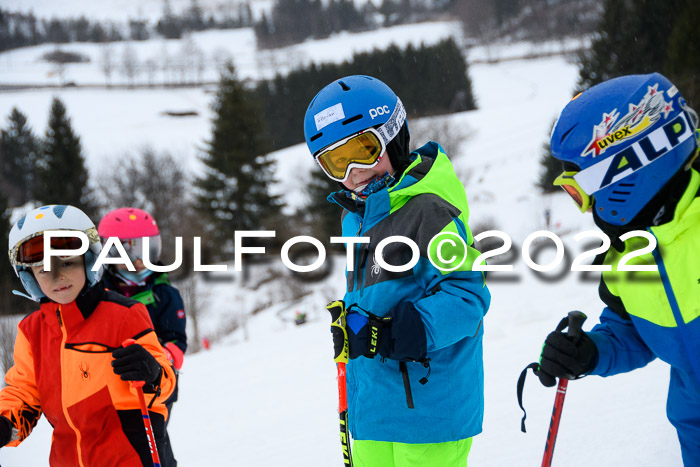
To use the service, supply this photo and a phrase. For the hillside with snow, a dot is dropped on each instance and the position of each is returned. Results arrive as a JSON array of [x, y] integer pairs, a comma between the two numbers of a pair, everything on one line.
[[265, 394]]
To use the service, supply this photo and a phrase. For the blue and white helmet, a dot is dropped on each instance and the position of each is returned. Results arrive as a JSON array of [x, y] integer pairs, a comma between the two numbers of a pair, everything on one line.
[[627, 137], [350, 105], [52, 217]]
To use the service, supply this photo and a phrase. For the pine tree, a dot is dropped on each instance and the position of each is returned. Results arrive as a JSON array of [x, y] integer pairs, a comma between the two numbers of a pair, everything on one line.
[[550, 168], [63, 178], [6, 272], [9, 303], [324, 216], [632, 37], [233, 193], [19, 149], [683, 57]]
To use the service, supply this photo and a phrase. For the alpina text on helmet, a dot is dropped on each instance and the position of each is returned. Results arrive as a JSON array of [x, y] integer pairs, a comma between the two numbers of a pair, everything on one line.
[[634, 157]]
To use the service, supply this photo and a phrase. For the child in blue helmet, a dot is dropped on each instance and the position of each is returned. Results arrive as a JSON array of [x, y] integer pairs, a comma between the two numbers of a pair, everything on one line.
[[627, 147], [415, 378]]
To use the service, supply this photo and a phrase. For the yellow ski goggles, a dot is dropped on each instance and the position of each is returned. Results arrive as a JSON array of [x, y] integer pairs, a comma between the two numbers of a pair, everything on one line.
[[363, 149], [570, 185]]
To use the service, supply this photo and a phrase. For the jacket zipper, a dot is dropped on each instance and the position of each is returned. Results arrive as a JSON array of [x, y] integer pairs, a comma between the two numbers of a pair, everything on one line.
[[357, 258], [673, 302], [363, 266], [403, 368], [64, 338]]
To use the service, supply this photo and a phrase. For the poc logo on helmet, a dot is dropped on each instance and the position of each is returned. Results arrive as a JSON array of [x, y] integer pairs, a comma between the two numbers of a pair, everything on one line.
[[379, 111]]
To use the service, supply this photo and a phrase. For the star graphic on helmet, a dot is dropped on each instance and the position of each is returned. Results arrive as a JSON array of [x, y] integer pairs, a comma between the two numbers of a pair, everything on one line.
[[600, 131]]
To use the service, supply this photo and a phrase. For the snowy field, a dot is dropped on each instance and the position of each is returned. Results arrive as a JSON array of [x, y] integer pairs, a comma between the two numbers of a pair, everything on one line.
[[266, 395]]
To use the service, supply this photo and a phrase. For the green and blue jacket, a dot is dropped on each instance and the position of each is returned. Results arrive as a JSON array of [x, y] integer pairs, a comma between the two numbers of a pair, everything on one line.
[[655, 314], [441, 399]]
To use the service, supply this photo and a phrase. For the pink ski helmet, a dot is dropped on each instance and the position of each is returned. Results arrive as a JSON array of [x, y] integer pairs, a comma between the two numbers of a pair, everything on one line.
[[131, 225]]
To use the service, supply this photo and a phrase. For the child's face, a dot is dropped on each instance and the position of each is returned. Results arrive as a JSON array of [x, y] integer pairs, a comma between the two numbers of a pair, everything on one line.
[[65, 280], [362, 176]]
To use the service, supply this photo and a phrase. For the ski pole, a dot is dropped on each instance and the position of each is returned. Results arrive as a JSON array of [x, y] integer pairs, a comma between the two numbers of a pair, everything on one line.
[[574, 321], [138, 385], [341, 353]]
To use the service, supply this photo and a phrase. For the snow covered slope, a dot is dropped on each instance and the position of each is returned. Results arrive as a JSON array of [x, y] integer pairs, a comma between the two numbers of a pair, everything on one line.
[[271, 399]]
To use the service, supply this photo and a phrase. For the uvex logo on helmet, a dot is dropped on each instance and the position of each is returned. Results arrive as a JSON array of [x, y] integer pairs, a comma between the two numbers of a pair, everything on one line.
[[382, 110], [638, 119]]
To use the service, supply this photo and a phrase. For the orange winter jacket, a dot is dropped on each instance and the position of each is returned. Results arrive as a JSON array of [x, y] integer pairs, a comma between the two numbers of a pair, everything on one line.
[[62, 368]]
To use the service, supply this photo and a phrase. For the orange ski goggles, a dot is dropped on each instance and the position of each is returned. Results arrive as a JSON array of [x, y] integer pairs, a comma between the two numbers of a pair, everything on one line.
[[582, 199], [30, 252]]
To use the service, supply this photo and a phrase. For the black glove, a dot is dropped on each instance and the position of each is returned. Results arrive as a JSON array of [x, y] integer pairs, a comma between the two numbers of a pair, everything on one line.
[[568, 355], [134, 363], [5, 431], [398, 335]]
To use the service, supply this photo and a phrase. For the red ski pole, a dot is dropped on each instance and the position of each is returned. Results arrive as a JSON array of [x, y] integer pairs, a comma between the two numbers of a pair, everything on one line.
[[341, 357], [554, 423], [574, 321], [138, 385]]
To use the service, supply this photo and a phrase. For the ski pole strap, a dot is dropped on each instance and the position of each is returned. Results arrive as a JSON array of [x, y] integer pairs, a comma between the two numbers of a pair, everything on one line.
[[341, 347], [375, 324], [375, 336], [521, 386]]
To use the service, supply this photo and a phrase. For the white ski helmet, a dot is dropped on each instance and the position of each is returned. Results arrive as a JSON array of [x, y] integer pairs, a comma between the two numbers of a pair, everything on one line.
[[34, 224]]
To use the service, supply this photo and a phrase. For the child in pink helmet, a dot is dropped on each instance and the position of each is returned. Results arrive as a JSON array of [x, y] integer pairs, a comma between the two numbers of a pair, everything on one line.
[[163, 301]]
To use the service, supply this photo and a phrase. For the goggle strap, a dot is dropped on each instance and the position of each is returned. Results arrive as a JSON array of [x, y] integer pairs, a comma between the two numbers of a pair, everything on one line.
[[391, 127]]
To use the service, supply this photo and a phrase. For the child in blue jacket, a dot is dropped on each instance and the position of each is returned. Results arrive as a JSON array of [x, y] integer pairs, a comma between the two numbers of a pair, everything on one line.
[[415, 383], [627, 146]]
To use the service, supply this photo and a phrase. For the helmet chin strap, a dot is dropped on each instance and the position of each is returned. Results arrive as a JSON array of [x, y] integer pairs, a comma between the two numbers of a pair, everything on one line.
[[134, 278], [22, 294], [376, 184]]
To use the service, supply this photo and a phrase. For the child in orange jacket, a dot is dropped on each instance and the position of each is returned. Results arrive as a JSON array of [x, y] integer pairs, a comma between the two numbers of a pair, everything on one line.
[[69, 361]]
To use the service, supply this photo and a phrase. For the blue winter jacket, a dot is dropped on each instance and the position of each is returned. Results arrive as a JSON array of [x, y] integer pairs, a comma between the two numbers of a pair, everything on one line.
[[428, 199], [657, 314]]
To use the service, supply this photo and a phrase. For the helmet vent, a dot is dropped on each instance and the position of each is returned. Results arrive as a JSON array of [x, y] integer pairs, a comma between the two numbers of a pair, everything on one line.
[[316, 136], [59, 210], [563, 137], [344, 86], [615, 200], [622, 192], [352, 119]]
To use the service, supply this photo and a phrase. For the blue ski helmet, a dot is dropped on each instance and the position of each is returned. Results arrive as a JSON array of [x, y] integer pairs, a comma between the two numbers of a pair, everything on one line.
[[627, 137], [348, 106]]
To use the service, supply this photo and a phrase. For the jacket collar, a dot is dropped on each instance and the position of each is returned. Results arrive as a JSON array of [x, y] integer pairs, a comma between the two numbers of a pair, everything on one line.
[[686, 211], [85, 303]]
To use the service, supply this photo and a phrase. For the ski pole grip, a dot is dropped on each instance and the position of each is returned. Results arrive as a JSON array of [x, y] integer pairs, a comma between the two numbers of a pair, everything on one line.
[[134, 384], [341, 348], [337, 310], [576, 320]]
